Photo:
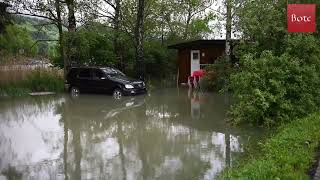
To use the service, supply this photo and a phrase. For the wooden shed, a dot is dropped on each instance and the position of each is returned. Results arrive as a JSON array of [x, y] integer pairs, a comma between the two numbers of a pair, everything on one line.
[[195, 55]]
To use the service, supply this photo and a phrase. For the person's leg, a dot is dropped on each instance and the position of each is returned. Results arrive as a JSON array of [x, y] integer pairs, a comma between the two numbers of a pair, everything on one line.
[[195, 83], [190, 82]]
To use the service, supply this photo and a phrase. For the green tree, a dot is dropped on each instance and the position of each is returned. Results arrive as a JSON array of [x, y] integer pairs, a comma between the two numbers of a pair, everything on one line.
[[16, 40], [91, 47]]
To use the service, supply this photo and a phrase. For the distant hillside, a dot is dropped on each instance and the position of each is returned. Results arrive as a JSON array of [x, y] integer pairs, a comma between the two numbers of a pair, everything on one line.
[[37, 26], [39, 29]]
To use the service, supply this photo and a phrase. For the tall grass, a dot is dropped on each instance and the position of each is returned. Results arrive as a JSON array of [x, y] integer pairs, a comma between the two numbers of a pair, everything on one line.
[[44, 81], [21, 81]]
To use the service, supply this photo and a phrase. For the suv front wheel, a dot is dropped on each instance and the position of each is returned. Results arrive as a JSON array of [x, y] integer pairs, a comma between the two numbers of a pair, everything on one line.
[[117, 94]]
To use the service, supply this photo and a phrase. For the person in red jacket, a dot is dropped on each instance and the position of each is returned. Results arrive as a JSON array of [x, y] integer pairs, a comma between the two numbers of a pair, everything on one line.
[[194, 79]]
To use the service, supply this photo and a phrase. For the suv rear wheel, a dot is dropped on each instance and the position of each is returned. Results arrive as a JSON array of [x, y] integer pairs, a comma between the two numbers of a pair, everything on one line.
[[117, 94], [74, 91]]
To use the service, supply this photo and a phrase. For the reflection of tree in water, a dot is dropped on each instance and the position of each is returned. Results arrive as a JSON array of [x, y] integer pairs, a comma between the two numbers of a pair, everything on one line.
[[146, 143], [157, 139], [25, 114], [12, 174], [19, 110]]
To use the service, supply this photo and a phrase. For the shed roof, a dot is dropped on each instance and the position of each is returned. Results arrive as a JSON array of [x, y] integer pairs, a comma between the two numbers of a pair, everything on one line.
[[197, 43]]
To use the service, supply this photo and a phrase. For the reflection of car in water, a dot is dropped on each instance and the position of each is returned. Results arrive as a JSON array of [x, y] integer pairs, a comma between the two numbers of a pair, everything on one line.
[[95, 107], [103, 80], [126, 105]]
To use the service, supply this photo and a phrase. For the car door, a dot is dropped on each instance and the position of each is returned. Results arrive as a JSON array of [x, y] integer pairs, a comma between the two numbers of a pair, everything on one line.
[[99, 81], [110, 83], [84, 78]]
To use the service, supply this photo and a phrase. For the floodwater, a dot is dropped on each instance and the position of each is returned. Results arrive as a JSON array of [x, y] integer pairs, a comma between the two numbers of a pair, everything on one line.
[[168, 134]]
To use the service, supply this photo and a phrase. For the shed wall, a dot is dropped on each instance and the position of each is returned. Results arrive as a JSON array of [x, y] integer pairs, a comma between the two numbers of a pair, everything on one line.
[[208, 55]]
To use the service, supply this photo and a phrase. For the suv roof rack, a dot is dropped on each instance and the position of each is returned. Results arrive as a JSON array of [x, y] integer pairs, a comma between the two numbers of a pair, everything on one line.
[[89, 67]]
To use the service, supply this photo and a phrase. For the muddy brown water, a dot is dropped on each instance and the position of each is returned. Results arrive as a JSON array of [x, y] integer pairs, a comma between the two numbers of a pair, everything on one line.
[[167, 134]]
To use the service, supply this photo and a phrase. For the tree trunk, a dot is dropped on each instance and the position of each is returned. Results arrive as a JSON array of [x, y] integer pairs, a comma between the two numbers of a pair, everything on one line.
[[186, 30], [71, 30], [4, 18], [116, 41], [61, 38], [228, 30], [71, 17], [139, 35]]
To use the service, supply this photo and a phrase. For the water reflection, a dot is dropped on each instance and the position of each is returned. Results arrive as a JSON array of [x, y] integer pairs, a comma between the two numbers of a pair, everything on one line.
[[168, 135]]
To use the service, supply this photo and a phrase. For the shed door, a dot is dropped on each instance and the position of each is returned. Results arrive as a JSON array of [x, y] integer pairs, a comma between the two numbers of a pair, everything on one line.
[[195, 61]]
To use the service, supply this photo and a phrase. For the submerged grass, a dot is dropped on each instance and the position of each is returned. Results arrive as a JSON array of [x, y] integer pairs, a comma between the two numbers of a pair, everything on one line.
[[31, 81], [288, 154]]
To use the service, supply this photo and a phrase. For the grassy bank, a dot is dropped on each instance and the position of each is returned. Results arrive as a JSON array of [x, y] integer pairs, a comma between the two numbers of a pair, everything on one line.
[[288, 154], [21, 82]]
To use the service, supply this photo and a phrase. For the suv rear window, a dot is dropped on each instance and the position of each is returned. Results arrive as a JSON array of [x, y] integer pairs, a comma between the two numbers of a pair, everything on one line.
[[72, 73], [84, 73]]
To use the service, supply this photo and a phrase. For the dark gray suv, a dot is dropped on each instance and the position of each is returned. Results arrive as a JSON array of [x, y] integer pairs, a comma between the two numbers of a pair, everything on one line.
[[102, 80]]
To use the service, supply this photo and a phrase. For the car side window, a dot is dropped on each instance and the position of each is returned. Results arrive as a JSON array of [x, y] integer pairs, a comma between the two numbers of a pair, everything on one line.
[[84, 74], [97, 74]]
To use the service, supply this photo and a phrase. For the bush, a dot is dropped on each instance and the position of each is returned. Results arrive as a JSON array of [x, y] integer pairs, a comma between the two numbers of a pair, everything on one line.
[[160, 62], [217, 75], [278, 79], [286, 155], [40, 80], [272, 90]]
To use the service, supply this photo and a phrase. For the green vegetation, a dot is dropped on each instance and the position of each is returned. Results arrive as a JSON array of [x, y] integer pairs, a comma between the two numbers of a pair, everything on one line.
[[38, 29], [217, 75], [14, 40], [107, 33], [276, 84], [286, 155], [34, 81], [21, 35], [93, 45], [274, 90], [278, 76], [42, 80]]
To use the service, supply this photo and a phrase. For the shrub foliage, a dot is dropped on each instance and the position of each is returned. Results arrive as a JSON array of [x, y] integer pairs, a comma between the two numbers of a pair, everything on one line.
[[271, 89]]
